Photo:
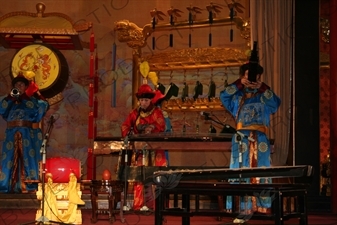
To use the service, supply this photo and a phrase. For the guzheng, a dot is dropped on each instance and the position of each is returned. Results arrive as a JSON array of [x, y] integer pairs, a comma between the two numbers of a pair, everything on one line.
[[156, 174], [166, 141], [183, 141]]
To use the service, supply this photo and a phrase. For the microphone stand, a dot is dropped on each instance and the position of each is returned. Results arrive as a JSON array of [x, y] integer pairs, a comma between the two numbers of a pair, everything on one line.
[[144, 152], [239, 137], [207, 117], [126, 159], [125, 148], [43, 219]]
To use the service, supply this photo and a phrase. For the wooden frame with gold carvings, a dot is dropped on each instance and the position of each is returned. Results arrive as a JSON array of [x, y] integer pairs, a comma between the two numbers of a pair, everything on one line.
[[180, 59]]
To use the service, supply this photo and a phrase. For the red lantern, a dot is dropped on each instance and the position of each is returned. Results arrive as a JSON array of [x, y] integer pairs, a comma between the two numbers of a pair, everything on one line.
[[106, 175]]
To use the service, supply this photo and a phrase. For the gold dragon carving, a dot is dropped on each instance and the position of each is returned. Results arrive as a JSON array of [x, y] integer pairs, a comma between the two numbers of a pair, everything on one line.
[[131, 34]]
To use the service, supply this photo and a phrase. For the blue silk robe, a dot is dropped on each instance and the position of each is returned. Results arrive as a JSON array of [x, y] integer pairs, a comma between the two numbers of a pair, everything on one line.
[[252, 117], [32, 110]]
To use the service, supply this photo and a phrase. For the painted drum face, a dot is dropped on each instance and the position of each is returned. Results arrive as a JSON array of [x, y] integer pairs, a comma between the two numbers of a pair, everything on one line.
[[45, 65]]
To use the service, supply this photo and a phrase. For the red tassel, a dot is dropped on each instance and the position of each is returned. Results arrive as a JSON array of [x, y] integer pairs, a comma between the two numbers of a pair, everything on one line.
[[95, 107], [91, 125], [92, 42], [91, 95], [96, 62], [96, 84], [92, 69], [95, 130]]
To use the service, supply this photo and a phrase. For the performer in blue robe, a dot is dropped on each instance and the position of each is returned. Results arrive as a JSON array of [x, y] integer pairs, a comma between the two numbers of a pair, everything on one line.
[[251, 104], [23, 109]]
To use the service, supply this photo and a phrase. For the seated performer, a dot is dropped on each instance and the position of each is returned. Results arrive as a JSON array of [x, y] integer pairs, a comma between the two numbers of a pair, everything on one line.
[[251, 104], [145, 119], [23, 109]]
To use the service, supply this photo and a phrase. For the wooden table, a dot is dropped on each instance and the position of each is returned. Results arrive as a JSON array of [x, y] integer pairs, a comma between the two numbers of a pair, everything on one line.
[[277, 191]]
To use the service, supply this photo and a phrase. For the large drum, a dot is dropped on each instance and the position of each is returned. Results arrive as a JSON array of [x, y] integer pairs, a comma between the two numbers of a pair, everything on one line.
[[47, 63], [61, 167]]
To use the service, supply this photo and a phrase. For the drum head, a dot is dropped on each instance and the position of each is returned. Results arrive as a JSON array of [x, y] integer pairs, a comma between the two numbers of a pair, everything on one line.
[[49, 65], [62, 167]]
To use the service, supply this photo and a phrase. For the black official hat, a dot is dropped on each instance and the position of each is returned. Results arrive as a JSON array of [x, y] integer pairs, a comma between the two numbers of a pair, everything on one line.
[[21, 78], [245, 67]]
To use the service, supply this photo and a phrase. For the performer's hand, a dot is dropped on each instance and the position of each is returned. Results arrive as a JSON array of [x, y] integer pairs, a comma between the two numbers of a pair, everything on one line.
[[10, 97], [249, 84], [32, 88], [245, 82], [255, 85], [148, 129]]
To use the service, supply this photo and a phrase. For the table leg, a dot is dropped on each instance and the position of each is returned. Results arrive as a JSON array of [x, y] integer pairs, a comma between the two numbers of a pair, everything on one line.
[[111, 197], [159, 206], [278, 208], [186, 207], [121, 207], [302, 207], [93, 205]]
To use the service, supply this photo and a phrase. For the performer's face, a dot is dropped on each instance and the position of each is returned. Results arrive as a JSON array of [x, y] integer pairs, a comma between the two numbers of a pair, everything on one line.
[[21, 86], [144, 102]]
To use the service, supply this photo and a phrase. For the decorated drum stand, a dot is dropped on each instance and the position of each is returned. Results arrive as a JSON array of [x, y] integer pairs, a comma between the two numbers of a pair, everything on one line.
[[61, 178]]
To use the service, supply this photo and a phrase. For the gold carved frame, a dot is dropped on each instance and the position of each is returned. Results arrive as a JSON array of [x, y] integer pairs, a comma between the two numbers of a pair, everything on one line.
[[181, 59]]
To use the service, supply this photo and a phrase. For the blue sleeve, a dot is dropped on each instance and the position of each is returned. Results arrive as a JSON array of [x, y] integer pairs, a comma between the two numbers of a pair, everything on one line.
[[230, 98], [6, 105], [42, 107], [271, 100]]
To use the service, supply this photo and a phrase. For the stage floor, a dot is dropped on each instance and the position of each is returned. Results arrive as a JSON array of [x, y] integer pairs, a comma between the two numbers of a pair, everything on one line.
[[24, 216]]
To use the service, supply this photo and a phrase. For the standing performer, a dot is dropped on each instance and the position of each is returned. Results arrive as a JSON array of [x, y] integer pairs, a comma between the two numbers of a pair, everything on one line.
[[251, 104], [145, 119], [23, 109]]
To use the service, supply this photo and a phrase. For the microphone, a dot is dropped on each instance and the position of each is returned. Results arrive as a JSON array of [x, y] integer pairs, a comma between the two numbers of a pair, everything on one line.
[[205, 114], [242, 135], [230, 128], [44, 143]]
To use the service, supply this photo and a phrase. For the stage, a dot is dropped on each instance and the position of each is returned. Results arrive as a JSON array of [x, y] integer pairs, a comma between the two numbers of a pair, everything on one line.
[[21, 216], [16, 209]]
